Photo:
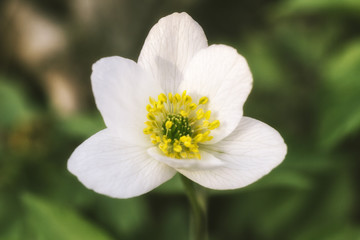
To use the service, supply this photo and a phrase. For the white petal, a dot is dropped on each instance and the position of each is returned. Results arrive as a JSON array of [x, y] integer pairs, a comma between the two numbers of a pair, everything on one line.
[[122, 89], [168, 48], [250, 152], [110, 166], [222, 75], [207, 161]]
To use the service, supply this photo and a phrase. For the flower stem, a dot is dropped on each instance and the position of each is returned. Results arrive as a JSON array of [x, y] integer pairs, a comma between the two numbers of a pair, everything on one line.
[[197, 199]]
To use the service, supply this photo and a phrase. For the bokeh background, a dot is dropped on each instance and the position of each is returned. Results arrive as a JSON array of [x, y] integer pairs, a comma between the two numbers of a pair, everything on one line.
[[305, 59]]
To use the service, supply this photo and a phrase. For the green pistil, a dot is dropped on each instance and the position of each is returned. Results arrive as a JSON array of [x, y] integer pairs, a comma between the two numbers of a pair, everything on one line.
[[179, 128]]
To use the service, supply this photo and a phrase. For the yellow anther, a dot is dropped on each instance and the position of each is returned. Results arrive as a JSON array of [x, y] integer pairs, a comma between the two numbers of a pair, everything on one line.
[[155, 139], [151, 116], [206, 133], [207, 115], [186, 140], [152, 101], [183, 113], [198, 137], [214, 124], [205, 123], [187, 143], [178, 97], [148, 108], [194, 149], [162, 97], [183, 154], [183, 94], [208, 138], [159, 106], [166, 140], [192, 106], [148, 130], [170, 97], [203, 100], [148, 123], [199, 113], [163, 146], [187, 99], [198, 156], [168, 124], [177, 148]]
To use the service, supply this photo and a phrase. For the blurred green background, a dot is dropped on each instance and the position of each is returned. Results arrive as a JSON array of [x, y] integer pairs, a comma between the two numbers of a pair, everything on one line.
[[305, 59]]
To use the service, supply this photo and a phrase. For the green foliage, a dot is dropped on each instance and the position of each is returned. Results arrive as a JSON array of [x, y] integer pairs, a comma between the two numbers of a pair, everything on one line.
[[291, 7], [112, 211], [14, 107], [305, 60], [50, 221], [341, 104], [82, 126]]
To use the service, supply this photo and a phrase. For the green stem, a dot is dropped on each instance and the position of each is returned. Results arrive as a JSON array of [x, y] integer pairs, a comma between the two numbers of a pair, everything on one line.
[[197, 199]]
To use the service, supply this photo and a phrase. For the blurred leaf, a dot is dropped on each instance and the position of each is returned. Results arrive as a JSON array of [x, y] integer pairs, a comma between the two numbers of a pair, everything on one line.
[[14, 232], [82, 125], [14, 107], [291, 179], [176, 224], [11, 223], [280, 211], [333, 201], [173, 186], [338, 122], [340, 115], [260, 52], [124, 216], [306, 44], [291, 7], [64, 184], [347, 232], [342, 70], [49, 221]]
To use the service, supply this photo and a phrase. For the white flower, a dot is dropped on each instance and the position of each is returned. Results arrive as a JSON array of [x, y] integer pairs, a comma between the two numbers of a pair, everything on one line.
[[178, 109]]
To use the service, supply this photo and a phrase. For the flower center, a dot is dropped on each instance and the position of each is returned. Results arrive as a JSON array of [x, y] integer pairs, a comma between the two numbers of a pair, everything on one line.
[[177, 125]]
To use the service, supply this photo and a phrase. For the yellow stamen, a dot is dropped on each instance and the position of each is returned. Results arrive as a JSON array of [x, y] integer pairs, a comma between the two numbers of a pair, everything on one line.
[[162, 98], [151, 116], [200, 113], [214, 124], [148, 108], [152, 101], [178, 97], [178, 126], [203, 100], [192, 106], [148, 130], [198, 137], [207, 115], [168, 124], [183, 113], [177, 148]]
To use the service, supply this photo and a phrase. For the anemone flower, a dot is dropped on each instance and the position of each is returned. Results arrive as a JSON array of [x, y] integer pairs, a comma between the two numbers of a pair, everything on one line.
[[178, 109]]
